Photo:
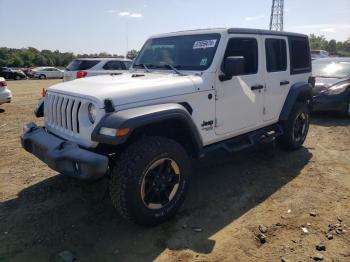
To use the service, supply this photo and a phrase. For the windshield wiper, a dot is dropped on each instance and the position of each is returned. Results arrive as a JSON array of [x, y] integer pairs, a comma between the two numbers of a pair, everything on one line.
[[173, 68], [145, 67]]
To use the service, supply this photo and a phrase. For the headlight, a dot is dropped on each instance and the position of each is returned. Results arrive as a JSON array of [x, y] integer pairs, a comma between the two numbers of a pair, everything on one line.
[[92, 113], [336, 89]]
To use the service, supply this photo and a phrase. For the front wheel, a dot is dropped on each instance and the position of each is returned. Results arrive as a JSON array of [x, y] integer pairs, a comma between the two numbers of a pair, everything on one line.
[[295, 128], [149, 180], [17, 77], [42, 77]]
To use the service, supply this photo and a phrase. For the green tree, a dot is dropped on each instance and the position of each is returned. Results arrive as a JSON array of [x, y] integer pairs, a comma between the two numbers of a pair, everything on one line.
[[131, 54]]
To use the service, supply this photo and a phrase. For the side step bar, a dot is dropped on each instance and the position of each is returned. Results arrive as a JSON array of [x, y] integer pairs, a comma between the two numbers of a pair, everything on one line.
[[260, 136]]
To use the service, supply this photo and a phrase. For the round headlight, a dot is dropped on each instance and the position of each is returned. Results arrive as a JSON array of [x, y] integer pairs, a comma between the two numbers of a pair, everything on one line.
[[92, 113]]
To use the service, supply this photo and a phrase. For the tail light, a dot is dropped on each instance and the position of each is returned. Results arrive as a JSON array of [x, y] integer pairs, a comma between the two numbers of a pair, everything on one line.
[[81, 74], [3, 83]]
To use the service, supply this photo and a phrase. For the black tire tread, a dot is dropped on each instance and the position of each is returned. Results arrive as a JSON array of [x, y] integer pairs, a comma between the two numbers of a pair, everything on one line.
[[124, 171]]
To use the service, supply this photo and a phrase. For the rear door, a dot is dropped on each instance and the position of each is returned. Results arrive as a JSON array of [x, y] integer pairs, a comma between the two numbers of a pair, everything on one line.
[[239, 100], [277, 76]]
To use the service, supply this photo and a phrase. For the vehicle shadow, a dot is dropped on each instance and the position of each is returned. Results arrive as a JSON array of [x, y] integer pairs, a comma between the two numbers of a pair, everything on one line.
[[2, 110], [329, 119], [64, 214]]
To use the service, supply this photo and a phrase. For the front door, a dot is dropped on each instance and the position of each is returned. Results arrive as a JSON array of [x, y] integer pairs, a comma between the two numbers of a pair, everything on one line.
[[239, 102]]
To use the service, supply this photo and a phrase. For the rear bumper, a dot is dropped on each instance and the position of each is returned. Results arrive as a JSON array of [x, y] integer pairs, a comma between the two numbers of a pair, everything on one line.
[[63, 156], [325, 102]]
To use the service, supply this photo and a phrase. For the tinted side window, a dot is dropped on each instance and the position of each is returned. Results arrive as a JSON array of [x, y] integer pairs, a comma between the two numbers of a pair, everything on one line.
[[276, 55], [113, 65], [76, 65], [127, 64], [248, 48], [300, 59]]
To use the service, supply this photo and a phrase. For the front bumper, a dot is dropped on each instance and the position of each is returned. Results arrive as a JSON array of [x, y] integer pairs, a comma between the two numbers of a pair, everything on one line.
[[323, 102], [5, 96], [63, 156]]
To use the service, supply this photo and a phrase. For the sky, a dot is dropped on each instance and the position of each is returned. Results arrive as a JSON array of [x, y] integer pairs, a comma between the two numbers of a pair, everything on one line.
[[87, 26]]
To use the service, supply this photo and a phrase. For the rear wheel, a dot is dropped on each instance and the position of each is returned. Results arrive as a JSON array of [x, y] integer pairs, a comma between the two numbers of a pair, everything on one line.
[[149, 180], [295, 128], [17, 77], [42, 77]]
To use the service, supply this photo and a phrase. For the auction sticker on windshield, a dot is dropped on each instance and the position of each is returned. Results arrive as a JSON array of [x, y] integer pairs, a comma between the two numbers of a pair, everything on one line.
[[204, 44]]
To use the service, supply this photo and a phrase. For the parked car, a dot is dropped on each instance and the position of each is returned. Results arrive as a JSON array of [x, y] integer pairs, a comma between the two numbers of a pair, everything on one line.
[[9, 73], [332, 87], [5, 93], [84, 67], [315, 54], [187, 94], [47, 72]]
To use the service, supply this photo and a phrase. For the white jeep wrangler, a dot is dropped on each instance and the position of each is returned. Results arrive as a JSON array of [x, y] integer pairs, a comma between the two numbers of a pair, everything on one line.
[[188, 93]]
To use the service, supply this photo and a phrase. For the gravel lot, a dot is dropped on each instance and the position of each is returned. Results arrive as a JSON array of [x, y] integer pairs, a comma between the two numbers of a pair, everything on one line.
[[43, 214]]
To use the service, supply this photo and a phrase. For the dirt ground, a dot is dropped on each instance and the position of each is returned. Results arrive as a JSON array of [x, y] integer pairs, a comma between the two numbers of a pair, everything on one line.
[[43, 214]]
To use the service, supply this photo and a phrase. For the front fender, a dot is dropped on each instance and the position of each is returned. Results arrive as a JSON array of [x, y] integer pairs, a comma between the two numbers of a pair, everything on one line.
[[141, 116]]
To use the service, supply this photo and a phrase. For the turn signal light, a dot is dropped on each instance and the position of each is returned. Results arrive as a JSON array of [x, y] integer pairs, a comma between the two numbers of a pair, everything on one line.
[[43, 92], [122, 131], [81, 74]]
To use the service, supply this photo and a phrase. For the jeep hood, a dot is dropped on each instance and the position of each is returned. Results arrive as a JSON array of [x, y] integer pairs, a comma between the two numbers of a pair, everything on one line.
[[128, 87]]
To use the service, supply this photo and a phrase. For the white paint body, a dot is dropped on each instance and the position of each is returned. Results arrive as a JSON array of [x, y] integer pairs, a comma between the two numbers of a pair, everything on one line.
[[5, 93], [99, 68], [235, 109]]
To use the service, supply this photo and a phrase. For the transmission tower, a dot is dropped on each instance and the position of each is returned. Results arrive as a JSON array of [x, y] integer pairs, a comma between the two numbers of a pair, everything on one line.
[[276, 20]]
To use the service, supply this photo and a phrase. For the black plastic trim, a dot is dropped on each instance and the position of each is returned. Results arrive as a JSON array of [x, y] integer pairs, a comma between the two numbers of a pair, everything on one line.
[[141, 116], [63, 156], [262, 32], [301, 88]]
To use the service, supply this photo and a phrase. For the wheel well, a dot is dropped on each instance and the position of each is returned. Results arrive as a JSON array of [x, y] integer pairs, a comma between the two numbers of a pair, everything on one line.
[[175, 129]]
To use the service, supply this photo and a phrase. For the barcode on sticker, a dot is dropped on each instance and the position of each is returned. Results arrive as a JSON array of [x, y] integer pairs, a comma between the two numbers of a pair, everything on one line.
[[204, 44]]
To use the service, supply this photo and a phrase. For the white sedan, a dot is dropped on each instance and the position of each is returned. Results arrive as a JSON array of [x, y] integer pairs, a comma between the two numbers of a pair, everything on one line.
[[5, 93], [47, 72]]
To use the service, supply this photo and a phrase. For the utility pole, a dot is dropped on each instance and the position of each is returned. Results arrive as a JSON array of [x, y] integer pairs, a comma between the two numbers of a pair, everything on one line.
[[276, 20]]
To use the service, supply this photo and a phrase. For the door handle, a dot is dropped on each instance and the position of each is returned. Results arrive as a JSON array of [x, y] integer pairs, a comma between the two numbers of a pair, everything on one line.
[[257, 87], [284, 83]]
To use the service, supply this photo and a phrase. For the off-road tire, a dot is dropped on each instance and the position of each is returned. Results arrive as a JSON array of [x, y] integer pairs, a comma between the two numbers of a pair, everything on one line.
[[288, 140], [129, 172]]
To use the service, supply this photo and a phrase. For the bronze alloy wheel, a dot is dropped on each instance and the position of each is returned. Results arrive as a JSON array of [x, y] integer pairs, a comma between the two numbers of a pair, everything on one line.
[[160, 183]]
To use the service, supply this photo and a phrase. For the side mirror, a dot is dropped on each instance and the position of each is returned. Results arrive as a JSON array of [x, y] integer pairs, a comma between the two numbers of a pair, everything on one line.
[[233, 66]]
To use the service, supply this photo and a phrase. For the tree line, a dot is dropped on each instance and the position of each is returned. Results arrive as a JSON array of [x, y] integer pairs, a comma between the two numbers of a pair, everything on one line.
[[337, 48], [31, 57]]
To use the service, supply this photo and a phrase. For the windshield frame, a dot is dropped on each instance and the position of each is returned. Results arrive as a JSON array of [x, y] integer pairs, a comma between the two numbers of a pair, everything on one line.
[[166, 67]]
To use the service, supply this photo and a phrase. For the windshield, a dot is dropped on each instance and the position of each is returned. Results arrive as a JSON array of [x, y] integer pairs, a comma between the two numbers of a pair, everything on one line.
[[186, 52], [77, 64], [331, 69]]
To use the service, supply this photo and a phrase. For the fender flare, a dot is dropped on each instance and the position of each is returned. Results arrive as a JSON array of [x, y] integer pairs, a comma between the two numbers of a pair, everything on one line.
[[141, 116], [298, 89]]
